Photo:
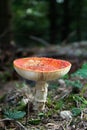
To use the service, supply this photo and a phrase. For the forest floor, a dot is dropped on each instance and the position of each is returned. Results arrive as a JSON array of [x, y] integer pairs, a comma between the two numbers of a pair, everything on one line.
[[66, 106]]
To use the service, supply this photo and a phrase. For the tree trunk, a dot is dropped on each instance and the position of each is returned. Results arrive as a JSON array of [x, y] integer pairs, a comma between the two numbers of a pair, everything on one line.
[[79, 18], [5, 23], [53, 20], [65, 28]]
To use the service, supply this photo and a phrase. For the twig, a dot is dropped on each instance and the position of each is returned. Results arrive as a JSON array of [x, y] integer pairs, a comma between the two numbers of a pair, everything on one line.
[[68, 123], [62, 127], [65, 125], [82, 115], [68, 37], [65, 95], [40, 40], [17, 122]]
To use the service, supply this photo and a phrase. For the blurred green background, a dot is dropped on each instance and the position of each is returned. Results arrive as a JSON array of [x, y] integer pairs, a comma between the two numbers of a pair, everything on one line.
[[27, 22]]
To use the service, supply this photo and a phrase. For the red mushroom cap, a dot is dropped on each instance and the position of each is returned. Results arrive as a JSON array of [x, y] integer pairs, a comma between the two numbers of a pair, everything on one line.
[[41, 68]]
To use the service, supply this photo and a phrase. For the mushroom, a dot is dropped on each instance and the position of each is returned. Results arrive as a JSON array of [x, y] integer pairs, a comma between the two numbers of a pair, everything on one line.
[[41, 70]]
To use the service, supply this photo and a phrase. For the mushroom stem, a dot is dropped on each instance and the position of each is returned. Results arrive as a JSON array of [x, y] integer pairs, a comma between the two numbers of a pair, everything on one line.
[[40, 95]]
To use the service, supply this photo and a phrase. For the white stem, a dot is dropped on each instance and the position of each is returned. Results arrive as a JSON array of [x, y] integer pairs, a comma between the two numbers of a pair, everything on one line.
[[40, 95]]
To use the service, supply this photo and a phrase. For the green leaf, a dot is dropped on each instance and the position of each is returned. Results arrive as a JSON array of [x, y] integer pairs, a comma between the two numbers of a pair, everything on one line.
[[41, 114], [76, 111], [21, 106], [66, 76], [14, 114], [81, 99], [34, 121], [59, 105]]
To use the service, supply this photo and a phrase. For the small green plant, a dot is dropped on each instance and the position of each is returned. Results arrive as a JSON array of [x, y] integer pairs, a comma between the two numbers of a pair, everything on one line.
[[81, 72], [77, 84], [14, 114], [76, 111], [34, 121], [59, 105], [41, 114], [78, 98], [82, 104], [74, 84], [53, 86], [49, 102]]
